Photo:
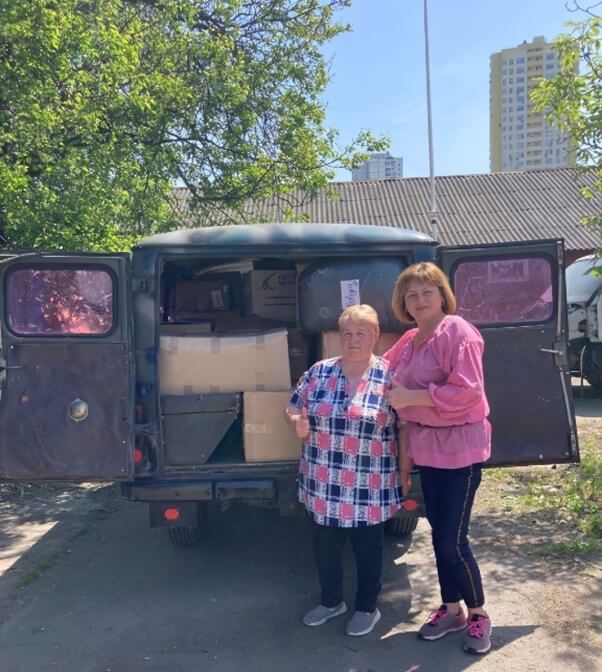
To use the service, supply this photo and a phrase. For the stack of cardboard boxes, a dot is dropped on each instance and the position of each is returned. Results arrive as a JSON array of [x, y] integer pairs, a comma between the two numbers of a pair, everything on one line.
[[225, 347], [217, 353]]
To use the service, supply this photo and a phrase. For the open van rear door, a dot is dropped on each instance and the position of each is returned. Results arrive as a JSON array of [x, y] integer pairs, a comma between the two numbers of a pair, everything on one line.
[[66, 367], [515, 294]]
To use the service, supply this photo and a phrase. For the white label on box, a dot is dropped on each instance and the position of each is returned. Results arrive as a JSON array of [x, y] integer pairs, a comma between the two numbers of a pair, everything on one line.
[[350, 293], [217, 298]]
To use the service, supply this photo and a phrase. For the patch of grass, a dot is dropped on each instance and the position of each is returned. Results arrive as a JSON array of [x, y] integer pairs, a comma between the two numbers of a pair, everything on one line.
[[568, 548], [35, 572], [569, 495]]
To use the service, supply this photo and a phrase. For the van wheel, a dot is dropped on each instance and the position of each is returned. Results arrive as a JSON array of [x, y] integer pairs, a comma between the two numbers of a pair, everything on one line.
[[400, 526], [594, 377]]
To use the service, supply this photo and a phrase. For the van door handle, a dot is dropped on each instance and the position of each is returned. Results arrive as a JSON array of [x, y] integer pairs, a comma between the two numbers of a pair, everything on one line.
[[4, 367]]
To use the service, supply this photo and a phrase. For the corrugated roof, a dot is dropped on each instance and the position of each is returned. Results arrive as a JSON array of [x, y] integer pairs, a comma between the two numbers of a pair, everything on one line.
[[485, 208]]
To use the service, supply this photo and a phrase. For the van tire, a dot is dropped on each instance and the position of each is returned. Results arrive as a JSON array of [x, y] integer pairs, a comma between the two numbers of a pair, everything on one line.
[[594, 377], [400, 526]]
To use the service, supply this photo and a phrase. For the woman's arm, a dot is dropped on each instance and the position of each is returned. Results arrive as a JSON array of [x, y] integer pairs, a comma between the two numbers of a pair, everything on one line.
[[405, 461]]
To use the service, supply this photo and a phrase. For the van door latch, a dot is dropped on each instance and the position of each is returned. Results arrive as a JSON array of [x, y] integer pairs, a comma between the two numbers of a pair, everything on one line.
[[4, 368], [560, 358]]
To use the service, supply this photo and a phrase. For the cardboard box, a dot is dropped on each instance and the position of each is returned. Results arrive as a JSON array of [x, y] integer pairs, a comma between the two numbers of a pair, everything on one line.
[[331, 343], [268, 437], [227, 363], [272, 294], [197, 296]]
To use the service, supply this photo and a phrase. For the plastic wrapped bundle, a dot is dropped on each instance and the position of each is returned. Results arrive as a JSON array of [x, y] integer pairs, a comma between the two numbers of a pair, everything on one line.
[[326, 289]]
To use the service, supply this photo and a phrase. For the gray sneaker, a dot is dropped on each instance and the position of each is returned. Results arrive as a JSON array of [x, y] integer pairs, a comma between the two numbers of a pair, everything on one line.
[[321, 614], [362, 622], [478, 637], [440, 622]]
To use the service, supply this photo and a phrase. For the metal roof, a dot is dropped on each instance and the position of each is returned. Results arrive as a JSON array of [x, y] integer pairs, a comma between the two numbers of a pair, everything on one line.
[[473, 209]]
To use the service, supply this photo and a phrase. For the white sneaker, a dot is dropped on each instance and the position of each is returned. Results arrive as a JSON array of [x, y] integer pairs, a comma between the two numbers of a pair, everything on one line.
[[362, 623], [321, 614]]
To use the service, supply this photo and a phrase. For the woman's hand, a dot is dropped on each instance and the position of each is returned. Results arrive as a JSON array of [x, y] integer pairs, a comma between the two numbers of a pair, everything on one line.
[[301, 422], [406, 481], [398, 395]]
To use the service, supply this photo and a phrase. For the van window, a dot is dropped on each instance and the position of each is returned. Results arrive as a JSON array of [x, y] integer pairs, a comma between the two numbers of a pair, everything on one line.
[[504, 291], [59, 301]]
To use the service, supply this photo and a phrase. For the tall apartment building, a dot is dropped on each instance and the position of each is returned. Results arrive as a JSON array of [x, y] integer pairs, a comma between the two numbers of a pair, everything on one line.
[[380, 166], [519, 137]]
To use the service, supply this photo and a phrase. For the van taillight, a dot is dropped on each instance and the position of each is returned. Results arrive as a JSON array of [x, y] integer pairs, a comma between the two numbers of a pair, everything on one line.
[[171, 514], [138, 449], [138, 413]]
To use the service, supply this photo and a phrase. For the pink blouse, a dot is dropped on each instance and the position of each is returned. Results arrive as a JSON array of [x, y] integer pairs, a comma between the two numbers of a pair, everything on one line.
[[453, 433]]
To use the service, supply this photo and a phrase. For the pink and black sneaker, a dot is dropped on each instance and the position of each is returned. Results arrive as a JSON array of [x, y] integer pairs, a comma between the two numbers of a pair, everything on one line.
[[478, 637], [440, 622]]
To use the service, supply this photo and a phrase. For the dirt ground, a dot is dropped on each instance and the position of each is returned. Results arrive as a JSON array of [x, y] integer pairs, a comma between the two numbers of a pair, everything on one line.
[[565, 591], [85, 585]]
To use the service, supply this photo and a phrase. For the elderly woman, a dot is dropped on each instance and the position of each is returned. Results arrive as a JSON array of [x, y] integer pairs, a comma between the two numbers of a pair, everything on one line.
[[437, 371], [348, 476]]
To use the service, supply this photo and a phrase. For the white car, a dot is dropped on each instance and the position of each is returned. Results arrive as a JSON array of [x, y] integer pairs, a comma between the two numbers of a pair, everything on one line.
[[584, 299]]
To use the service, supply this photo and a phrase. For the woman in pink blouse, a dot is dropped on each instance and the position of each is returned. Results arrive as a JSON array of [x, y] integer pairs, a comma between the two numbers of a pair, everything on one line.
[[437, 373]]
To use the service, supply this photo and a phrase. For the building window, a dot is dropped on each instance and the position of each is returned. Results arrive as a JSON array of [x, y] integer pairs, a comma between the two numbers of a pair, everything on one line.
[[520, 60], [519, 70]]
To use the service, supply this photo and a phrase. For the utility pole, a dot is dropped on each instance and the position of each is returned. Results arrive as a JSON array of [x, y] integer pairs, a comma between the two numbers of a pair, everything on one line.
[[433, 195]]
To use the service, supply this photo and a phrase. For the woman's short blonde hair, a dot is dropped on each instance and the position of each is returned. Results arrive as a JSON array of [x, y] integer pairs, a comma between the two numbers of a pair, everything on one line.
[[361, 314], [427, 273]]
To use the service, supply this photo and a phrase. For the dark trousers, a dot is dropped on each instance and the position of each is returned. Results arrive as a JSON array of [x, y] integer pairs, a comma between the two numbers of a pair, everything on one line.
[[367, 545], [448, 498]]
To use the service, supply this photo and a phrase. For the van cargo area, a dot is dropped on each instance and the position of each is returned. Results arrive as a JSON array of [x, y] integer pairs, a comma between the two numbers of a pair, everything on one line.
[[234, 338]]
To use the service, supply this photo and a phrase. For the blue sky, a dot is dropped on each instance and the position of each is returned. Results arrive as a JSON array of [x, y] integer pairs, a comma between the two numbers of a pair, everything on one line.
[[378, 75]]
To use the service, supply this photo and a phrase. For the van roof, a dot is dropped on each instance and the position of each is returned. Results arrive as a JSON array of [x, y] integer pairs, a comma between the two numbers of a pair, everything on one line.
[[286, 235]]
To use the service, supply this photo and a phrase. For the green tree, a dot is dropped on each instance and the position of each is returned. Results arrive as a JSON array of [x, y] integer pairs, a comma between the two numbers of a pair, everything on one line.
[[105, 105], [572, 101]]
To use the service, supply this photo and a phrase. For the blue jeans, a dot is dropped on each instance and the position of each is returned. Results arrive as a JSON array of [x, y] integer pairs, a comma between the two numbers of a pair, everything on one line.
[[448, 498]]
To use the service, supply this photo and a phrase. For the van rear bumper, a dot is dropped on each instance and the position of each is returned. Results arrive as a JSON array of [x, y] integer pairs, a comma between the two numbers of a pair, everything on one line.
[[203, 490], [188, 497]]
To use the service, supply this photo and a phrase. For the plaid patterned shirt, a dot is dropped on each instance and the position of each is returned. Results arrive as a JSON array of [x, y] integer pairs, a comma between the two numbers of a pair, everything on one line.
[[348, 473]]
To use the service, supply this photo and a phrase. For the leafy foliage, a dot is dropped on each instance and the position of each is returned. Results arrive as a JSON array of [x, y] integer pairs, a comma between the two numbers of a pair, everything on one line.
[[573, 100], [105, 105]]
